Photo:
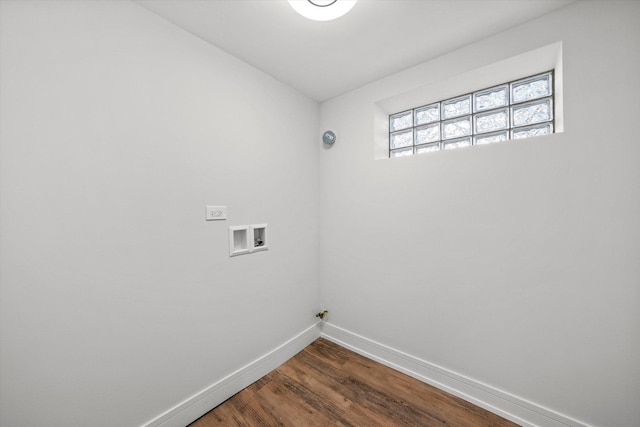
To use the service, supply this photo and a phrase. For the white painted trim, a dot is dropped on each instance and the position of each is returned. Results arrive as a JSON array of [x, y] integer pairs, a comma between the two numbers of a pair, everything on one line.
[[499, 402], [202, 402]]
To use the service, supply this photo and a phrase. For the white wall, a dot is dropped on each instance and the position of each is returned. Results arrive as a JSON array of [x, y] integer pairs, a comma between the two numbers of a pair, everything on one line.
[[514, 264], [118, 299]]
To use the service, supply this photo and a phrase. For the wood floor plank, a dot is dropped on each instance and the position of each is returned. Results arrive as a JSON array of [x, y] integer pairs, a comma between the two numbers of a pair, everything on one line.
[[326, 384], [290, 409], [341, 383], [324, 398], [407, 391]]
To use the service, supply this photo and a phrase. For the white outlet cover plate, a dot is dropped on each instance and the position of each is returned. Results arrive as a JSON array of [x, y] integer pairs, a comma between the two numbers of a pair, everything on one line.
[[215, 213]]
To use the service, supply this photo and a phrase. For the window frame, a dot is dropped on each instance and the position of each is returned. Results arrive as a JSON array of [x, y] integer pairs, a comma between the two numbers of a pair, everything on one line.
[[471, 115]]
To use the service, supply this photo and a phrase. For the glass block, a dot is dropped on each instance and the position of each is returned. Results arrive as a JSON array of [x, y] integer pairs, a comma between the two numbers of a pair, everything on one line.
[[491, 138], [457, 143], [428, 133], [427, 148], [428, 114], [529, 131], [401, 139], [531, 88], [456, 127], [402, 152], [401, 121], [491, 121], [489, 99], [456, 107], [532, 112]]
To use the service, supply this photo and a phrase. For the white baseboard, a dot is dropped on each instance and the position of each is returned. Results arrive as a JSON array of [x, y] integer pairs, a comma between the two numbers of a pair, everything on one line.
[[513, 408], [507, 405], [202, 402]]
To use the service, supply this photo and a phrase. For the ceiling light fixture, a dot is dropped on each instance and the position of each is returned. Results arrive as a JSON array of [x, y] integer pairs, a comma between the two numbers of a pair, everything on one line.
[[322, 10]]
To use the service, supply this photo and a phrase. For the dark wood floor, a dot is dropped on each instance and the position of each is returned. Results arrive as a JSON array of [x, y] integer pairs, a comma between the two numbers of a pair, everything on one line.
[[326, 384]]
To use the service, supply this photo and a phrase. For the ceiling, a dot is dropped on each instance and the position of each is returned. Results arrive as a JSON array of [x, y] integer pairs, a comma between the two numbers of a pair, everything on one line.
[[325, 59]]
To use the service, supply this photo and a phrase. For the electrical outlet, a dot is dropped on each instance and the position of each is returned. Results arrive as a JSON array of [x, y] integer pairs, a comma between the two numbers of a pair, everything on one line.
[[214, 213]]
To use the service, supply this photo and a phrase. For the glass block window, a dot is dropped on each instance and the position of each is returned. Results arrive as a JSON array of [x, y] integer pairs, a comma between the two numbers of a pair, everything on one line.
[[514, 110]]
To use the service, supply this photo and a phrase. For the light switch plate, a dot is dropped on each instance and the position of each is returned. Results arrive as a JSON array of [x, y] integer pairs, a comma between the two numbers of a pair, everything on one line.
[[215, 213]]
